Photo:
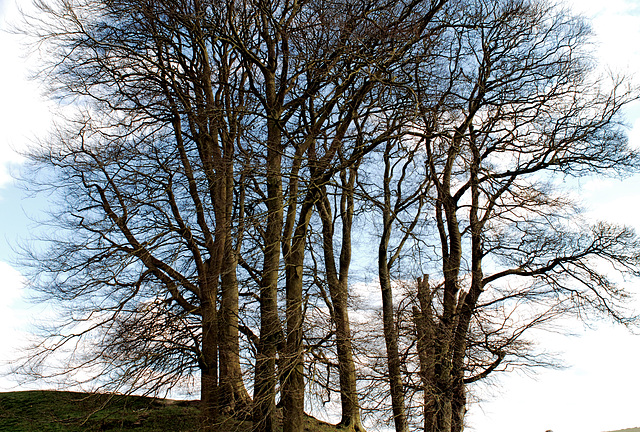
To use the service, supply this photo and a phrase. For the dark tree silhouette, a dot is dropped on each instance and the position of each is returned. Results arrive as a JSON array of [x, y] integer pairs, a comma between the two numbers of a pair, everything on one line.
[[217, 160]]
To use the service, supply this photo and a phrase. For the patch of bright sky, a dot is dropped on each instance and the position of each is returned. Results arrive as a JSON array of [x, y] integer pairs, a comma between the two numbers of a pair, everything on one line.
[[12, 319], [23, 117]]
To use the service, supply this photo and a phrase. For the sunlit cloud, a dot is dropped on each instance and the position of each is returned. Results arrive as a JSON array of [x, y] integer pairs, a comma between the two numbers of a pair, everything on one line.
[[23, 113], [12, 320], [616, 27]]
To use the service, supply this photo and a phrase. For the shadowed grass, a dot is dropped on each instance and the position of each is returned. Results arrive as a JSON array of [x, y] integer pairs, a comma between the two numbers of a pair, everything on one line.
[[49, 411], [54, 411]]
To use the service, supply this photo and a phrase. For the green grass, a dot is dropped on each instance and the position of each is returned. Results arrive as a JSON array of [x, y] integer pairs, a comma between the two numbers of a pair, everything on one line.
[[628, 430], [54, 411], [51, 411]]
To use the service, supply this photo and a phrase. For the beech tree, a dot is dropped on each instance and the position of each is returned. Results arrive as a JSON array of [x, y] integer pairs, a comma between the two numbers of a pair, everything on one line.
[[146, 166], [186, 114], [510, 103], [313, 83]]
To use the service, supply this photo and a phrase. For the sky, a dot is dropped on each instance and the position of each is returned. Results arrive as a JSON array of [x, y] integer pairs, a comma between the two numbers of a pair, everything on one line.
[[596, 392]]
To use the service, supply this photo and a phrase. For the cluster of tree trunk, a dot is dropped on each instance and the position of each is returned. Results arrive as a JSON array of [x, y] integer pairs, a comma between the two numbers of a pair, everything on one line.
[[222, 164]]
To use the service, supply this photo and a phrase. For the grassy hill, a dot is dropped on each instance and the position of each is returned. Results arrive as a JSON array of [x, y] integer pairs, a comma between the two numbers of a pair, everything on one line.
[[53, 411], [628, 430]]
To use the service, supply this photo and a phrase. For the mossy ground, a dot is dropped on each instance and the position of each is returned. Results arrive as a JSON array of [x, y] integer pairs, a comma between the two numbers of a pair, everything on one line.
[[54, 411], [49, 411]]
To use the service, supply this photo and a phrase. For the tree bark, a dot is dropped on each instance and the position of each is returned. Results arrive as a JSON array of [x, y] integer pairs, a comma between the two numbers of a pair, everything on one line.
[[293, 382], [339, 292], [209, 351], [425, 329], [388, 320], [391, 342], [234, 397], [270, 328]]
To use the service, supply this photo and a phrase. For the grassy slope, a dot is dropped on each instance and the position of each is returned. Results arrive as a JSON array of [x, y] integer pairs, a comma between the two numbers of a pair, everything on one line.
[[628, 430], [51, 411]]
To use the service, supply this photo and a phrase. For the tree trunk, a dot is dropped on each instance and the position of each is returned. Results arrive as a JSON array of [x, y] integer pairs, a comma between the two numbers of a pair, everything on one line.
[[388, 320], [468, 302], [350, 420], [425, 329], [339, 290], [391, 341], [293, 382], [209, 351], [451, 244], [234, 397], [270, 329]]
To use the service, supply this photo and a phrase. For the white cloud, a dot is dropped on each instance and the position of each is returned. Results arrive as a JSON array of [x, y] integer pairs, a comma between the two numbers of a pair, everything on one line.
[[612, 200], [23, 112], [11, 287], [13, 320], [616, 24], [634, 132], [597, 393]]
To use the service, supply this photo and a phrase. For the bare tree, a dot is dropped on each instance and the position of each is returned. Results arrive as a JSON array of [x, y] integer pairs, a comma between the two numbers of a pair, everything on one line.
[[210, 139], [312, 86], [192, 111], [509, 102], [521, 106]]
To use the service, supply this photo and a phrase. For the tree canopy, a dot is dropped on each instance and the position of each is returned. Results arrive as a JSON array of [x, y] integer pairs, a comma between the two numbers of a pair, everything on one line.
[[218, 160]]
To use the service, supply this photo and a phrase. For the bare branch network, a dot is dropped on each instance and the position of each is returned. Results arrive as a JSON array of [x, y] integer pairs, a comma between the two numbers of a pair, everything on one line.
[[294, 202]]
